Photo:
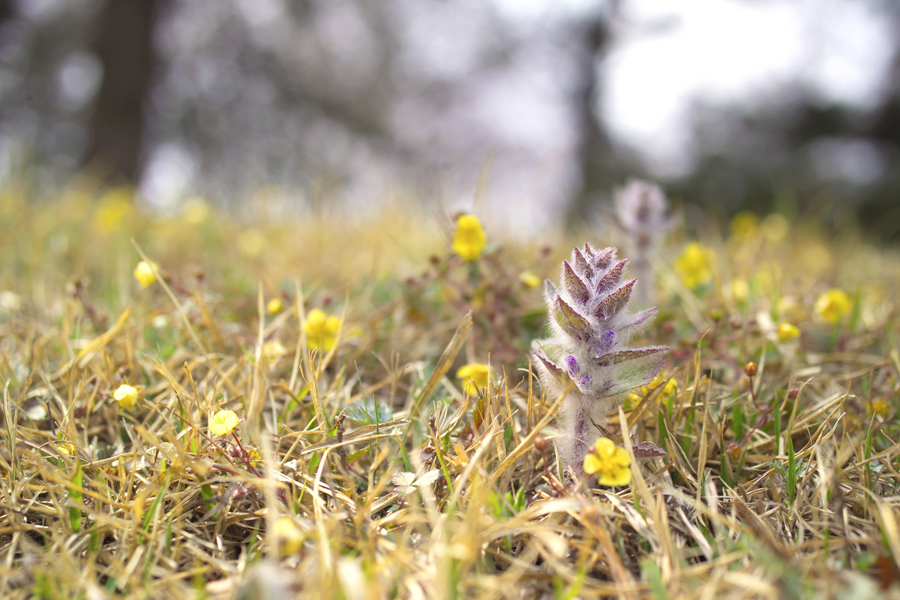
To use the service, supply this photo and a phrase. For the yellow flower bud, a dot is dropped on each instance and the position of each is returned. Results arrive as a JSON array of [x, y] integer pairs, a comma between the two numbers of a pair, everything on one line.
[[274, 306], [529, 279], [145, 273]]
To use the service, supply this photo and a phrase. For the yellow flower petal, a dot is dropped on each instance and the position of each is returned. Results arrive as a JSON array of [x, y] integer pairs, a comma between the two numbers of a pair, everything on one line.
[[223, 423], [609, 462], [288, 537], [832, 305], [251, 243], [145, 273], [740, 290], [469, 239], [592, 464], [321, 330], [744, 224], [616, 478], [126, 395], [529, 279], [695, 265], [274, 306], [787, 332], [474, 377], [196, 211]]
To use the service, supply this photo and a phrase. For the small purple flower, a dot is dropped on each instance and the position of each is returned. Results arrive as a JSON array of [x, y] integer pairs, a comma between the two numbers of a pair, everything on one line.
[[609, 338], [572, 365], [585, 381]]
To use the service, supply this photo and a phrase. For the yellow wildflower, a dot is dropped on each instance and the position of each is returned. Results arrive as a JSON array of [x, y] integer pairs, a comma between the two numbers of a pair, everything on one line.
[[474, 377], [223, 422], [671, 386], [832, 305], [126, 395], [766, 278], [65, 448], [775, 227], [113, 209], [744, 224], [145, 273], [787, 332], [321, 330], [196, 211], [274, 306], [740, 290], [469, 239], [789, 308], [254, 456], [273, 350], [288, 537], [529, 279], [610, 462], [251, 243], [695, 265], [880, 408]]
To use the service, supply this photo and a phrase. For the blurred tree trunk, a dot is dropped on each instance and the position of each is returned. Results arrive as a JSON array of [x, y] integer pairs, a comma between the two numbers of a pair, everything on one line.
[[124, 44], [597, 160]]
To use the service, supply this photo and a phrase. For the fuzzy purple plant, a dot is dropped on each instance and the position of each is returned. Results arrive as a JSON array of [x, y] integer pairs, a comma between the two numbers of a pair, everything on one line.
[[586, 355], [642, 209]]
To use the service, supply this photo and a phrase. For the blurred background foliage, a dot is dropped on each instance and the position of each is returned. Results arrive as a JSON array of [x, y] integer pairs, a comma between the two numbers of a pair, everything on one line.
[[787, 105]]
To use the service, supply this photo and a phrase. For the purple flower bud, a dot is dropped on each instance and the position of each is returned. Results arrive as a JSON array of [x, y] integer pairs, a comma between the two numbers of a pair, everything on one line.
[[585, 381], [572, 365], [609, 338]]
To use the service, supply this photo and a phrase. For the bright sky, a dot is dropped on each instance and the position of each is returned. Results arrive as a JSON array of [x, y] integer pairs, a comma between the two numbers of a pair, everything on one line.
[[734, 51], [669, 53]]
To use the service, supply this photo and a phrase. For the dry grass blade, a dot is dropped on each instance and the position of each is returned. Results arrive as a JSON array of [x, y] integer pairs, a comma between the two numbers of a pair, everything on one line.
[[319, 446]]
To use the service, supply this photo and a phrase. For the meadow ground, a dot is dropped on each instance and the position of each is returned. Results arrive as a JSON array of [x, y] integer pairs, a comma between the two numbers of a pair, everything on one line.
[[355, 463]]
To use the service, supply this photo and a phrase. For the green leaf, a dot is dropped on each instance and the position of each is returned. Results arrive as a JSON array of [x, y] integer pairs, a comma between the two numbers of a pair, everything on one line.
[[75, 496], [737, 421], [636, 372], [792, 470], [369, 412], [616, 301], [581, 264], [570, 320], [615, 358], [612, 278], [150, 517], [652, 574], [573, 284]]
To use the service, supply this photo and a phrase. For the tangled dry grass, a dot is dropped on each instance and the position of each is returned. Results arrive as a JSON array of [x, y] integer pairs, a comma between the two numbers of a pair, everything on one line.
[[365, 471]]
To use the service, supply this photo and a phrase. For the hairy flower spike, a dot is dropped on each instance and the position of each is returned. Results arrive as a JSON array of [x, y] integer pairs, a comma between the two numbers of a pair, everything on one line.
[[586, 355], [642, 209]]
